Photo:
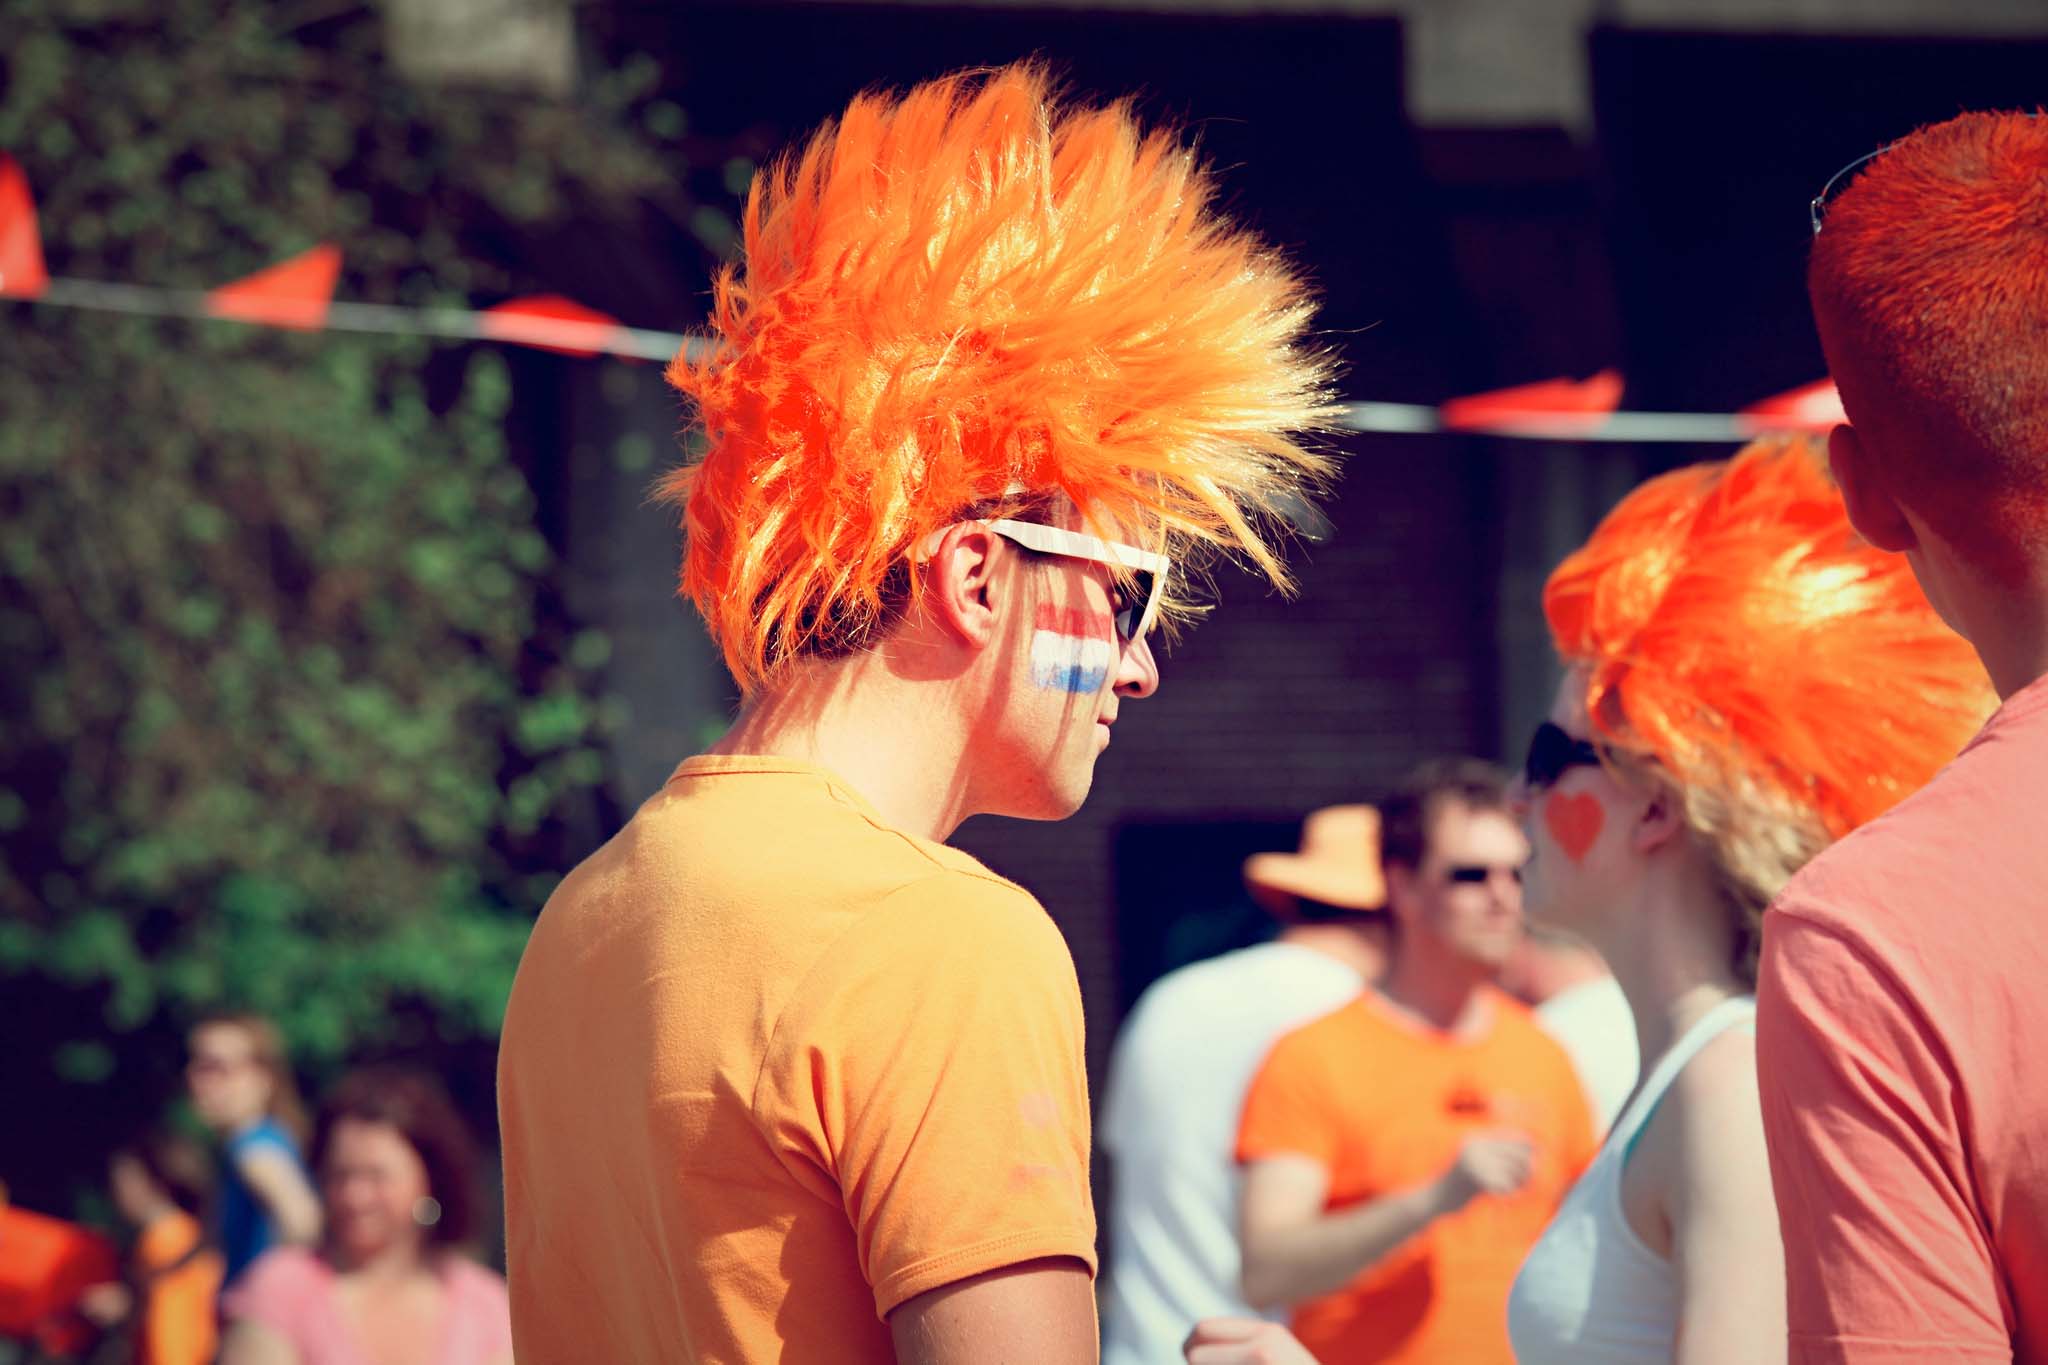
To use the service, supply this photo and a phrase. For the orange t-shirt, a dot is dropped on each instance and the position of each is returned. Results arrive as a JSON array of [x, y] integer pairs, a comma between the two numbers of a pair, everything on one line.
[[1901, 1010], [1384, 1103], [771, 1068], [178, 1312]]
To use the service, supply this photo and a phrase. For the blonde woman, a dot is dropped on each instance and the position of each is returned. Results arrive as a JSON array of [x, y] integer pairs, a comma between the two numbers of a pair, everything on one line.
[[1748, 681]]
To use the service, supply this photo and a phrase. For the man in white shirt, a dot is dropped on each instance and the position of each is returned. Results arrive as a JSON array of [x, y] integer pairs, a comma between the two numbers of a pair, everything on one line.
[[1183, 1061]]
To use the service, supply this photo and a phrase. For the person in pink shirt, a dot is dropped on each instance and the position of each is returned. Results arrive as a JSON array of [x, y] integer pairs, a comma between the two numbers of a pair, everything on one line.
[[389, 1284], [1904, 988]]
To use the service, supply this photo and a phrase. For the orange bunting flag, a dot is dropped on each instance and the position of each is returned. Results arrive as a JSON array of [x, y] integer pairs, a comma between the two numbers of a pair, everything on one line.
[[22, 275], [293, 293], [550, 322], [1810, 407], [1563, 404]]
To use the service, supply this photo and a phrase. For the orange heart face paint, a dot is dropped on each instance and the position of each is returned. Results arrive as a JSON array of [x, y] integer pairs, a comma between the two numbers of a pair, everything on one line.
[[1574, 821]]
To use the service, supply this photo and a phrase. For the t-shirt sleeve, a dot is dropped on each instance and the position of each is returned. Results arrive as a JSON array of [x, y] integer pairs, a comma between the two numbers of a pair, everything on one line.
[[1286, 1110], [931, 1071], [1886, 1256]]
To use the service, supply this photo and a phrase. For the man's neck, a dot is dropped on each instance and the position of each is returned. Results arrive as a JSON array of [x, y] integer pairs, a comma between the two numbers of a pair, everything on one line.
[[2014, 649], [879, 733], [1359, 947], [1445, 993]]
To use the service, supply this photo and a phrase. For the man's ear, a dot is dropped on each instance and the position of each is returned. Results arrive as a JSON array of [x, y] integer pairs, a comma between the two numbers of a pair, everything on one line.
[[1872, 511], [961, 589]]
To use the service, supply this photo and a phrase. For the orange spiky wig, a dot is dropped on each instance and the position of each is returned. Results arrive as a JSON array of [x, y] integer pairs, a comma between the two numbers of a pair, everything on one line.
[[1736, 630], [971, 297]]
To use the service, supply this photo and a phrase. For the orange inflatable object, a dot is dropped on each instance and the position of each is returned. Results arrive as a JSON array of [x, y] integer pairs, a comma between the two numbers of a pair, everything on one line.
[[45, 1264], [1737, 629], [971, 292]]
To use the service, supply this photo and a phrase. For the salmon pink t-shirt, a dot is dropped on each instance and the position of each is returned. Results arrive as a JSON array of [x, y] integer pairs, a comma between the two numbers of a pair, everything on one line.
[[1383, 1103], [770, 1069], [1901, 1020]]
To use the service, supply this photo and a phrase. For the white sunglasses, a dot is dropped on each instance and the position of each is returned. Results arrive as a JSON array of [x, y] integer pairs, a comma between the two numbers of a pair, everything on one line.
[[1147, 569]]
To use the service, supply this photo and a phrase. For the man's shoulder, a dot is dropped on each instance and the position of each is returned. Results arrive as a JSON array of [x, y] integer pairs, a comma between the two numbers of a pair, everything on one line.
[[1352, 1029], [1968, 843]]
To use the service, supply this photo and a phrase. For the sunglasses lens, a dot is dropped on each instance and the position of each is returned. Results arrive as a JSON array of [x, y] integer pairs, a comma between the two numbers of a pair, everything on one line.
[[1130, 605], [1539, 769], [1551, 752]]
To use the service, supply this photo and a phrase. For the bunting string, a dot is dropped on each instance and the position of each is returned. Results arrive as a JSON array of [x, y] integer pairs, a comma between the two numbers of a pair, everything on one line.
[[298, 294]]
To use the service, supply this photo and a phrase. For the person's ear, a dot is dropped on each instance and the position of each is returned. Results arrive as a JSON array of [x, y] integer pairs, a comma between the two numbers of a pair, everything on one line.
[[962, 593], [1662, 820], [1877, 517]]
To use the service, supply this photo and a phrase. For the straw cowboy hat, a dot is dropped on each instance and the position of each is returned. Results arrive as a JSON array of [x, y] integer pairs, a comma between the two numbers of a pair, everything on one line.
[[1337, 864]]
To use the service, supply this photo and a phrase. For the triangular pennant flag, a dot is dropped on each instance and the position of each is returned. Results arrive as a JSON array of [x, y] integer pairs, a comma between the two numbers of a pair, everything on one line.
[[551, 322], [1560, 404], [22, 275], [1810, 407], [293, 293]]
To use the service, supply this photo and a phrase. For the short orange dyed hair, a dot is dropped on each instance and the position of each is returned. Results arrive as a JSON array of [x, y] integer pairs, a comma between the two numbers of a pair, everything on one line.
[[971, 298], [1745, 646], [1932, 267]]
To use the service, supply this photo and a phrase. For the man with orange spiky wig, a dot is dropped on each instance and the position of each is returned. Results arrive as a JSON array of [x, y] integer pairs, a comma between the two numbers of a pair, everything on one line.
[[783, 1076], [1901, 998]]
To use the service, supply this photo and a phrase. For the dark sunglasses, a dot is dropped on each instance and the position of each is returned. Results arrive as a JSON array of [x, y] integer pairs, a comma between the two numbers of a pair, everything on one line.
[[1552, 753], [1479, 874]]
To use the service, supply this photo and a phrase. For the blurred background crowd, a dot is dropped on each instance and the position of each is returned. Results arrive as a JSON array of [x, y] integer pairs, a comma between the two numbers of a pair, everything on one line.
[[327, 652]]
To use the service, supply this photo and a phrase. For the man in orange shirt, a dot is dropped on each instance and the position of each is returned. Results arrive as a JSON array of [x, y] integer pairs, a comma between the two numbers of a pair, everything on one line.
[[784, 1077], [1901, 1001], [1403, 1153]]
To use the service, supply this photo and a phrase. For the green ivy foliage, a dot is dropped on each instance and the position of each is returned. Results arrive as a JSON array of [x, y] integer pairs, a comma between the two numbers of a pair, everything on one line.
[[280, 704]]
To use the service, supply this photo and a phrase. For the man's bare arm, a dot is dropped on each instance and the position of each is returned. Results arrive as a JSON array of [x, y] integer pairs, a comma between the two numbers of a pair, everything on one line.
[[1293, 1250], [1037, 1313]]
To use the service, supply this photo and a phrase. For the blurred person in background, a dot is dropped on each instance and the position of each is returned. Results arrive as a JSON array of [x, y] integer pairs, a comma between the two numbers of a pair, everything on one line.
[[1748, 680], [242, 1089], [1579, 1003], [1901, 1008], [1403, 1153], [1177, 1080], [165, 1311], [391, 1282], [784, 1077]]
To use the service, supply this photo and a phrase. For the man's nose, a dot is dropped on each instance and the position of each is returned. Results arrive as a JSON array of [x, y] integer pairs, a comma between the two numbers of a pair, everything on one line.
[[1137, 671]]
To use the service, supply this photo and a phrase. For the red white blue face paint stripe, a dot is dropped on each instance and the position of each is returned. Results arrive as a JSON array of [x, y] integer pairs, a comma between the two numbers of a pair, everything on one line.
[[1072, 649]]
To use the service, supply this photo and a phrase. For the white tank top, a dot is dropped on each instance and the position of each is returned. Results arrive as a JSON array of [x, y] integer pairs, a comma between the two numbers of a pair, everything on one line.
[[1591, 1292]]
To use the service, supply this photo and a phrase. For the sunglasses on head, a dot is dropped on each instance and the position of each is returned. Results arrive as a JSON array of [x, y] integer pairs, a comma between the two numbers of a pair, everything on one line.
[[1818, 209], [1139, 575], [1839, 181], [1553, 752]]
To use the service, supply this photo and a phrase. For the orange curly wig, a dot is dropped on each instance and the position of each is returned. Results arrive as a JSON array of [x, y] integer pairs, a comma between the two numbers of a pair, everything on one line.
[[1737, 630], [971, 297]]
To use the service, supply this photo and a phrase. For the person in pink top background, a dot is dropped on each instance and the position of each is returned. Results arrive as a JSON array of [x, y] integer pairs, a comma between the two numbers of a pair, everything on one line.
[[390, 1283], [1902, 1000]]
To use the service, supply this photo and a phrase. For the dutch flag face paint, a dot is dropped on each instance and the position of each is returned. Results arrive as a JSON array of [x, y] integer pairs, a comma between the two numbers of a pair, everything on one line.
[[1072, 649]]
